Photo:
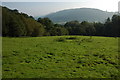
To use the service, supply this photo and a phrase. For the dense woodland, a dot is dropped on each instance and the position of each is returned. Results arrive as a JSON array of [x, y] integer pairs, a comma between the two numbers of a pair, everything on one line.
[[15, 24]]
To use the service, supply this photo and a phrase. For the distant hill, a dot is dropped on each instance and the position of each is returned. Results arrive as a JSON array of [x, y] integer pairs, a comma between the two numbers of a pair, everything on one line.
[[80, 14]]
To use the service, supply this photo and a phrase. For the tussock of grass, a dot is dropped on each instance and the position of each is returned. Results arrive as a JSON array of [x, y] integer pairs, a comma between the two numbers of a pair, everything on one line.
[[61, 39]]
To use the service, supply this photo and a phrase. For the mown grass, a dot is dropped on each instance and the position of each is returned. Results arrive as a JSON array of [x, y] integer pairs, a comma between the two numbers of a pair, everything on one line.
[[60, 57]]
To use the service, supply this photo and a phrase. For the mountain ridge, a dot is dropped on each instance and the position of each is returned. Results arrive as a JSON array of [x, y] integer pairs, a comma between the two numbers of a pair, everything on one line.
[[80, 14]]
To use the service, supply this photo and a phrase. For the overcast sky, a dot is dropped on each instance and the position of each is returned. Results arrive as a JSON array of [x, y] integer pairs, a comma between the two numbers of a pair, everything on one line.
[[43, 7]]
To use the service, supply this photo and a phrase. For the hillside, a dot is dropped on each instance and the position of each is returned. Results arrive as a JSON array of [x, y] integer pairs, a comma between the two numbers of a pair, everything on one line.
[[80, 14]]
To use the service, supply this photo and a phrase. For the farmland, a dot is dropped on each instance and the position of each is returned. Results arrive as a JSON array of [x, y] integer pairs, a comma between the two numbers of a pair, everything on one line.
[[60, 57]]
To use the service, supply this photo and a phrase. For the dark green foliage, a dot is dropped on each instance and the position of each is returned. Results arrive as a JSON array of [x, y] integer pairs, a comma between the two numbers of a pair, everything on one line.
[[112, 27], [99, 27], [16, 27], [17, 24], [38, 31], [116, 23], [48, 24], [74, 28], [77, 28], [90, 30], [58, 31]]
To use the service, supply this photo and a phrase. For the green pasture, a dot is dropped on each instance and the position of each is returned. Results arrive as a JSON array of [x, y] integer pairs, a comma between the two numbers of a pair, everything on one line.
[[60, 57]]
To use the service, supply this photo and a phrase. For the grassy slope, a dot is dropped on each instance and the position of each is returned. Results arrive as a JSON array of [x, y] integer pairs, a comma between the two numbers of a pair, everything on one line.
[[47, 57]]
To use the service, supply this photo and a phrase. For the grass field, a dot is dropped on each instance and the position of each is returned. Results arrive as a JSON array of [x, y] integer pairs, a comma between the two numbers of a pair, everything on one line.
[[60, 57]]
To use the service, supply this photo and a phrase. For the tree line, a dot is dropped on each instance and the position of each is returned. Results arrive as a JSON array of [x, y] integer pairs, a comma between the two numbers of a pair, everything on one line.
[[15, 24]]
